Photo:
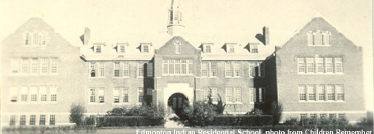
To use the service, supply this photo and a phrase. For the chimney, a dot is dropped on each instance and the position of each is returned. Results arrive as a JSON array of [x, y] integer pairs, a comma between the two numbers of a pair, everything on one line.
[[86, 35], [265, 33]]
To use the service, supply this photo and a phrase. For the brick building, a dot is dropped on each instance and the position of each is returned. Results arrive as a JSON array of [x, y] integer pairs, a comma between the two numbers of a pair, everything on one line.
[[43, 74], [318, 73]]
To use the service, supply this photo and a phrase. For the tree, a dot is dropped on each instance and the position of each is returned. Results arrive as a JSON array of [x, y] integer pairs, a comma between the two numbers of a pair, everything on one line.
[[220, 107], [76, 114]]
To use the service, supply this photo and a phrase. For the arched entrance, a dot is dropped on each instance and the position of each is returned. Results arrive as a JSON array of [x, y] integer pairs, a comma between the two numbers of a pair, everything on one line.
[[177, 101]]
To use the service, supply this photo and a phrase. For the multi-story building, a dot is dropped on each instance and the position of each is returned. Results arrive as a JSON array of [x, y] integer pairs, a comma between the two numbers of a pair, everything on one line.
[[41, 76], [318, 73]]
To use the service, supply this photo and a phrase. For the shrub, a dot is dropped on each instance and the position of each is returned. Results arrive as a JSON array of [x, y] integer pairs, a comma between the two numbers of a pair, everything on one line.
[[76, 114], [291, 121], [89, 120], [220, 107], [117, 112], [118, 121], [242, 120], [201, 114]]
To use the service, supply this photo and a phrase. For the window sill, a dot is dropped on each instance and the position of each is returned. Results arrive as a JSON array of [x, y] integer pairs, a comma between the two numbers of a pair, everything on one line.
[[178, 75], [97, 77], [233, 77], [234, 103], [327, 45], [91, 103], [120, 77], [209, 77], [126, 103]]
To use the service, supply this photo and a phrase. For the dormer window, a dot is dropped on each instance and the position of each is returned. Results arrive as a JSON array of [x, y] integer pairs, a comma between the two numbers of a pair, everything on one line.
[[98, 47], [230, 47], [318, 38], [145, 47], [207, 47], [35, 38], [253, 48], [121, 47]]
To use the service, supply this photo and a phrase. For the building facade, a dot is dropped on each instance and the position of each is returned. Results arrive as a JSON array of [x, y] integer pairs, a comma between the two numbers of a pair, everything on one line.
[[315, 74], [41, 76], [319, 74]]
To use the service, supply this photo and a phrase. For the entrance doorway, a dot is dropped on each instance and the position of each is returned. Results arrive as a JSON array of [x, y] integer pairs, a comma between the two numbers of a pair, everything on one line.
[[177, 101]]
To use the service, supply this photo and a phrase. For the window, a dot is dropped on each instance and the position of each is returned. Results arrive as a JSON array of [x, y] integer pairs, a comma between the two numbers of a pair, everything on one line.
[[214, 94], [311, 92], [14, 64], [32, 119], [141, 94], [262, 69], [238, 94], [313, 116], [330, 92], [261, 94], [177, 67], [12, 120], [101, 95], [320, 67], [53, 93], [35, 38], [126, 69], [34, 93], [34, 65], [206, 93], [44, 65], [228, 69], [252, 68], [13, 94], [24, 93], [302, 92], [125, 94], [92, 95], [329, 65], [43, 93], [42, 120], [341, 116], [213, 69], [145, 47], [301, 65], [332, 116], [317, 38], [339, 92], [310, 38], [116, 69], [101, 69], [321, 92], [140, 69], [207, 48], [252, 95], [98, 48], [237, 69], [326, 38], [121, 48], [54, 65], [310, 65], [338, 65], [229, 95], [230, 48], [254, 48], [22, 120], [52, 120], [25, 65], [322, 116], [116, 95], [303, 116], [93, 69], [204, 69]]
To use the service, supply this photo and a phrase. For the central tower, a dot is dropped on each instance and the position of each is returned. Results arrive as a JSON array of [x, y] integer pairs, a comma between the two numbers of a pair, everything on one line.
[[175, 26]]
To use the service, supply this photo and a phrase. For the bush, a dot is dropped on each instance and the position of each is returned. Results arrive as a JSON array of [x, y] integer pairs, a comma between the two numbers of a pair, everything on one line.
[[89, 120], [220, 107], [118, 121], [242, 120], [201, 114], [76, 114], [117, 112], [316, 122]]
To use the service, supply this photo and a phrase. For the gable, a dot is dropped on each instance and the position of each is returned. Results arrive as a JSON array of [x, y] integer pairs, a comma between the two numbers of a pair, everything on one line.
[[35, 36], [318, 36], [177, 46]]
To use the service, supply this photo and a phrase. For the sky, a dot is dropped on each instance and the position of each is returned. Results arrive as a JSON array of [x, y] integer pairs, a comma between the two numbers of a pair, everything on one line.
[[227, 18]]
